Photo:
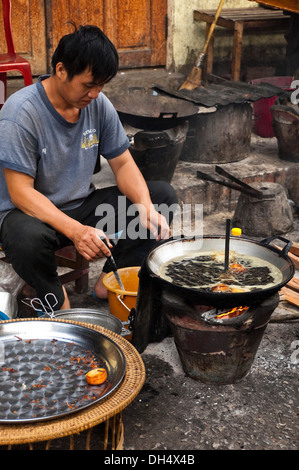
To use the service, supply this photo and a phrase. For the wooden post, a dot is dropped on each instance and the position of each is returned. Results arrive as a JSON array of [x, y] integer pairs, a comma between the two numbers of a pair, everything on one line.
[[237, 51]]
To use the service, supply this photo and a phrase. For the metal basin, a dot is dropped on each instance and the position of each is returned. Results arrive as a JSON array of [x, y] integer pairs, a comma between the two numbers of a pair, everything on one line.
[[94, 317]]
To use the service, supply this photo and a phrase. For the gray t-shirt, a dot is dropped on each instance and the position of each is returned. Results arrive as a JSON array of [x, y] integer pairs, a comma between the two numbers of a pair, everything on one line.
[[59, 155]]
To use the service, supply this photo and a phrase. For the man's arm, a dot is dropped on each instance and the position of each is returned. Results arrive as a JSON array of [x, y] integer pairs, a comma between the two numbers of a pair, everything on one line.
[[131, 183], [30, 201]]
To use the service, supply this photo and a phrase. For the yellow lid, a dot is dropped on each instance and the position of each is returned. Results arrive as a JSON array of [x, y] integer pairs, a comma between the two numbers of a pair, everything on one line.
[[236, 232]]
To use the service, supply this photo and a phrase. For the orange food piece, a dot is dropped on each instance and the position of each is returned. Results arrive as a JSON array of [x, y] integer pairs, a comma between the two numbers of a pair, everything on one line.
[[237, 267], [96, 376], [221, 288]]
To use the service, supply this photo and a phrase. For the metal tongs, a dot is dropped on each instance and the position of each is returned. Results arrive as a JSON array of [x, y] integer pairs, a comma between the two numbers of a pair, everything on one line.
[[42, 307], [236, 183]]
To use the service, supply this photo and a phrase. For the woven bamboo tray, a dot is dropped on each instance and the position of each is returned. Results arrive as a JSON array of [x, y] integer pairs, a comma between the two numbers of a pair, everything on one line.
[[13, 434]]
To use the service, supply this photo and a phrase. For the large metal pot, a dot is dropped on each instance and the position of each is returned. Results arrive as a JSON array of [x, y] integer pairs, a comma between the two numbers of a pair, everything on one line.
[[262, 250], [144, 109]]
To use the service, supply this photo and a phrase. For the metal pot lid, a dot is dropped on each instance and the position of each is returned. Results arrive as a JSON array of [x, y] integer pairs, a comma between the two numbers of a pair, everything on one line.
[[224, 93], [43, 367], [149, 105]]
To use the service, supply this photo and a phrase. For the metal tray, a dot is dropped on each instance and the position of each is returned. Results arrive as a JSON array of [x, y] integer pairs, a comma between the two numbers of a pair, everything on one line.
[[43, 366]]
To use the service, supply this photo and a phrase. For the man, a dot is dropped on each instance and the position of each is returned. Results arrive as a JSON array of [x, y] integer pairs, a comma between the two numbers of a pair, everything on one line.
[[51, 135]]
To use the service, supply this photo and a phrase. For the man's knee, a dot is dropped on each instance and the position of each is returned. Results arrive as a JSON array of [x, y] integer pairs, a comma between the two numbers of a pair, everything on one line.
[[162, 192], [27, 237], [36, 241]]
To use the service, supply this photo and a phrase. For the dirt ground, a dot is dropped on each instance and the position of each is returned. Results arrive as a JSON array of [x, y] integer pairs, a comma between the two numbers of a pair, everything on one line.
[[258, 413]]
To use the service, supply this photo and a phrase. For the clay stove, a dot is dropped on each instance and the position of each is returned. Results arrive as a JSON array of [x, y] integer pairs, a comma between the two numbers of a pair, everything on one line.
[[217, 346], [266, 216], [217, 333], [263, 209]]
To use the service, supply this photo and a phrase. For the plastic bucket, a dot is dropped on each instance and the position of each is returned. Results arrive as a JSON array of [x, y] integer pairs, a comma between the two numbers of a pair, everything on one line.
[[261, 108], [8, 306], [121, 302]]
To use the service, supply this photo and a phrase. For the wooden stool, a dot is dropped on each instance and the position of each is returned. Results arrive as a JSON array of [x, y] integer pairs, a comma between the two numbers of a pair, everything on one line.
[[69, 257], [239, 20]]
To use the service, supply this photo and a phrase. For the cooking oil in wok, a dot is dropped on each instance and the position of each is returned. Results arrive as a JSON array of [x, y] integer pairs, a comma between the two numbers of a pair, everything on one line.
[[205, 271]]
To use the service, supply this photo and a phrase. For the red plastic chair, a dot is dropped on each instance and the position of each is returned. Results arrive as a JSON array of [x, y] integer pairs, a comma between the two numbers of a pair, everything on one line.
[[11, 60]]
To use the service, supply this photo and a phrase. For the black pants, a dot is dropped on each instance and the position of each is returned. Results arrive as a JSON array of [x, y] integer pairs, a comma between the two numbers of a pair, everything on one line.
[[30, 244]]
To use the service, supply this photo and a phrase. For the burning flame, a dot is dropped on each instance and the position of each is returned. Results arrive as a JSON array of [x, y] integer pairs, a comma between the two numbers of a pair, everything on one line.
[[234, 312]]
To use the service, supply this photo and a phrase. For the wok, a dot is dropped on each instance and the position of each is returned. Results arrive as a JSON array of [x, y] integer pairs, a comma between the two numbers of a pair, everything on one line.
[[262, 250], [143, 109]]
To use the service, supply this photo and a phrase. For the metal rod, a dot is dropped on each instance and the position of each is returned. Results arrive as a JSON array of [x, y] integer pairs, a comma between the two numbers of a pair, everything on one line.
[[227, 237], [237, 187], [255, 192]]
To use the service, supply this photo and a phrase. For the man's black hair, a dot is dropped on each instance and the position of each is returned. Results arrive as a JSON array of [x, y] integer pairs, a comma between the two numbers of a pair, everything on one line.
[[87, 47]]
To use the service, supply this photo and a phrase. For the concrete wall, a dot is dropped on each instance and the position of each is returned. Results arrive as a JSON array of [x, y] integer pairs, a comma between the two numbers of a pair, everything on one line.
[[186, 39]]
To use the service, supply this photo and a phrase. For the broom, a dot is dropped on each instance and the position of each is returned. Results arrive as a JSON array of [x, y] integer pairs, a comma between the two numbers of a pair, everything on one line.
[[194, 78]]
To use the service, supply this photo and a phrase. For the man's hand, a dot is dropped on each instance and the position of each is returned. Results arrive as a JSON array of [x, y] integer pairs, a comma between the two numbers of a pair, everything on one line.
[[154, 221], [89, 243]]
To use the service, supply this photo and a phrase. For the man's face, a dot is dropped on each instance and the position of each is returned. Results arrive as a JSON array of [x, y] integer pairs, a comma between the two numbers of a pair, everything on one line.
[[80, 90]]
